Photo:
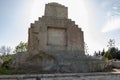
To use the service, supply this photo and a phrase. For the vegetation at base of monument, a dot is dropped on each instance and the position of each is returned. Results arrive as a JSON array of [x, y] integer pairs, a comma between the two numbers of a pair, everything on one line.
[[7, 57], [4, 69], [21, 47], [112, 52]]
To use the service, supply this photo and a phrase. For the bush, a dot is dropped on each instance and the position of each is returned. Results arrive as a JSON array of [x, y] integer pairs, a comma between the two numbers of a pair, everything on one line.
[[4, 69]]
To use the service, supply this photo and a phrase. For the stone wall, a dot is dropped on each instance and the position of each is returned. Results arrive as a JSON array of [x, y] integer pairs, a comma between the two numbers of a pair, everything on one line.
[[70, 76]]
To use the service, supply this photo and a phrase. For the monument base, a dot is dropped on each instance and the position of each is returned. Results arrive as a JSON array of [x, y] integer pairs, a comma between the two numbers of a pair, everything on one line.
[[64, 63]]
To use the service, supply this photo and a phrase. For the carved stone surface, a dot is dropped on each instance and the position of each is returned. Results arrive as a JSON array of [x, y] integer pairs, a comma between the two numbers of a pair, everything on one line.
[[56, 37]]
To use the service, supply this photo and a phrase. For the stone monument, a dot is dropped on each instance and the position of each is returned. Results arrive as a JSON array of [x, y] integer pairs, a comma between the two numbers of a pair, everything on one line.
[[55, 44], [54, 32]]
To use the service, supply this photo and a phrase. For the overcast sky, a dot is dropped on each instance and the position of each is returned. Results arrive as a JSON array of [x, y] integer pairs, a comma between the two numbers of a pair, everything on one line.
[[99, 19]]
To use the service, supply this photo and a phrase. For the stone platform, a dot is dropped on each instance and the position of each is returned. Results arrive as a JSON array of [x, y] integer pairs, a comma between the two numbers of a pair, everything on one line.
[[64, 76]]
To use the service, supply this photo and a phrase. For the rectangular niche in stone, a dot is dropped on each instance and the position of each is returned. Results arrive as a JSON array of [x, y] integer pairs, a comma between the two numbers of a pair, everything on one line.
[[56, 36]]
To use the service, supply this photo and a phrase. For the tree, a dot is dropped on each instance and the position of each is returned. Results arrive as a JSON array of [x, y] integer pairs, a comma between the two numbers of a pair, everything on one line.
[[103, 52], [96, 53], [118, 55], [108, 55], [86, 48], [5, 50], [8, 50], [114, 52], [21, 47], [99, 53], [111, 43]]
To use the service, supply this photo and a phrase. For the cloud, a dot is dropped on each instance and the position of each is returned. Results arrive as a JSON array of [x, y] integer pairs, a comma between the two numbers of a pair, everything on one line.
[[111, 25]]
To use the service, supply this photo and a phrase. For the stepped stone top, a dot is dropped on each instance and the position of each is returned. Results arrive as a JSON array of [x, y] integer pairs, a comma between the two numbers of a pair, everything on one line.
[[56, 10]]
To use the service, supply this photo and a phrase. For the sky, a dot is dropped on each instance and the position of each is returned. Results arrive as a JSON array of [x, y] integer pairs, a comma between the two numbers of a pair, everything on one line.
[[99, 19]]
